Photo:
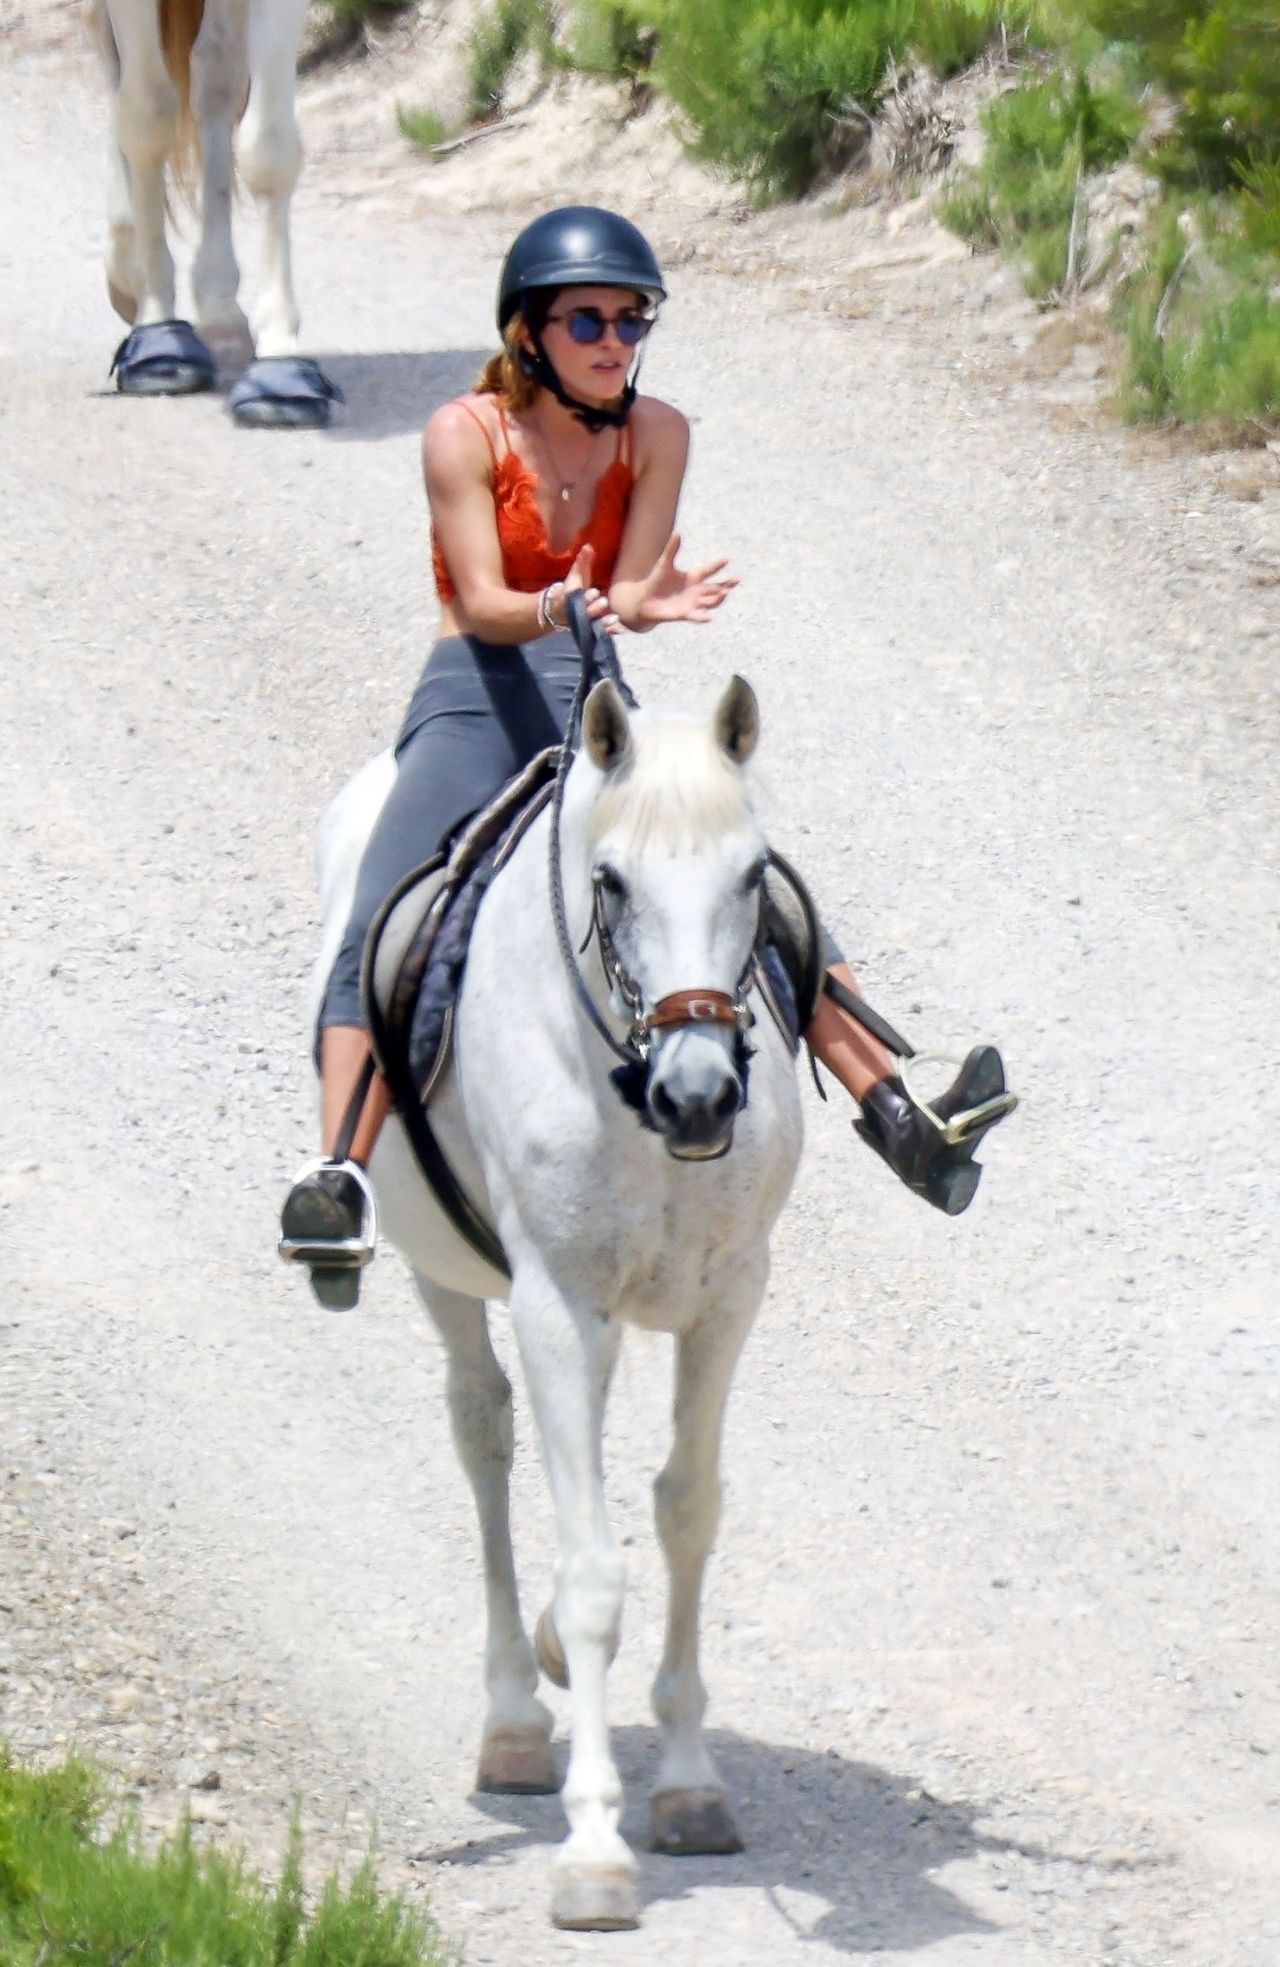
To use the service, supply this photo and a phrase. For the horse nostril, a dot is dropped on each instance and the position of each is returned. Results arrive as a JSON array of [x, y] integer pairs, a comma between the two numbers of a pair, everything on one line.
[[728, 1101], [664, 1109]]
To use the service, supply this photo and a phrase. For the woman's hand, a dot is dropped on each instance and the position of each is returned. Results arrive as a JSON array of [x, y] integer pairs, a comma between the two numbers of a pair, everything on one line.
[[670, 594], [578, 581]]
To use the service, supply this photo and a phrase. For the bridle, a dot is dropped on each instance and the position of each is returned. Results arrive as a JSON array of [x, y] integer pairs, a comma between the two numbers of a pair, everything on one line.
[[680, 1008]]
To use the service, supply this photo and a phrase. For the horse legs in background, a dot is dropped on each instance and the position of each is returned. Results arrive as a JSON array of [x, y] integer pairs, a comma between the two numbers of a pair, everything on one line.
[[219, 84], [515, 1749], [270, 157], [124, 274], [688, 1811], [161, 356], [234, 64], [145, 109], [281, 386]]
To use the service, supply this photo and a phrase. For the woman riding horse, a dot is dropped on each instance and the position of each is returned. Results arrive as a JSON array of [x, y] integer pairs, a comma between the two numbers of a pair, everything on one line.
[[554, 475]]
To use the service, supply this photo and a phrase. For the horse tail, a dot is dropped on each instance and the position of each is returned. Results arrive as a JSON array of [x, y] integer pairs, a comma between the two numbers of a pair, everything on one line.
[[179, 25]]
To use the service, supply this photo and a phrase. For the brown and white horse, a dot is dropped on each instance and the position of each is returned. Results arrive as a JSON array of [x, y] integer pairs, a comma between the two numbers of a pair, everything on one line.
[[190, 78]]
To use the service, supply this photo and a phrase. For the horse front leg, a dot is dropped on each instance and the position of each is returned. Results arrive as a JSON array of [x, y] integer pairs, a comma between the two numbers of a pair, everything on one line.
[[270, 156], [280, 386], [689, 1813], [568, 1352], [219, 82], [515, 1747], [124, 277], [139, 264]]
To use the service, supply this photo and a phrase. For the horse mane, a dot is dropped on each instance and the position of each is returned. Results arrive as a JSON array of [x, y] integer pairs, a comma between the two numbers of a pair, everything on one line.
[[675, 791]]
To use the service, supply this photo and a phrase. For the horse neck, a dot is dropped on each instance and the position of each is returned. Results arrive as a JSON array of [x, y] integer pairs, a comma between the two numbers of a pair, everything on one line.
[[530, 940]]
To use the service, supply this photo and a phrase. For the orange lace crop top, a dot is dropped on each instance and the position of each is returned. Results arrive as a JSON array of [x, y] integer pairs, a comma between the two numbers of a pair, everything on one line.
[[529, 562]]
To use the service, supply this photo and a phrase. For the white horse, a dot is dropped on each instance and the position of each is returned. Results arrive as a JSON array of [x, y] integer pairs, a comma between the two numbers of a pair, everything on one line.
[[187, 77], [604, 1222]]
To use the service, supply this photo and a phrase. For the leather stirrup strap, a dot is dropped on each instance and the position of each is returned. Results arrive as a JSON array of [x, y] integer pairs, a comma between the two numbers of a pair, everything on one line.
[[431, 1158], [355, 1107], [857, 1007]]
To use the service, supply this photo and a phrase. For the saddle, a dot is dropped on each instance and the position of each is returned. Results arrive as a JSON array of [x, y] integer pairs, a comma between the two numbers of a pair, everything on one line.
[[416, 952], [414, 958]]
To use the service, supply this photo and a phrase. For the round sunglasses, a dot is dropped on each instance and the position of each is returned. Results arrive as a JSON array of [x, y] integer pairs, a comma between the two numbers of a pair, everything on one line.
[[586, 325]]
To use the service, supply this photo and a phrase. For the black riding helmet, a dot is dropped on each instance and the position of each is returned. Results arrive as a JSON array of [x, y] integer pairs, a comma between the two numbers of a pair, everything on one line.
[[577, 246]]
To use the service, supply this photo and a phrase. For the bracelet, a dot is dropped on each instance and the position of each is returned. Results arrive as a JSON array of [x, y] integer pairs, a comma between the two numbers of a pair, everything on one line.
[[545, 616]]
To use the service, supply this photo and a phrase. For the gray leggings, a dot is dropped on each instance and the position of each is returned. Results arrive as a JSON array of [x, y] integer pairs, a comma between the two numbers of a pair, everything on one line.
[[480, 712]]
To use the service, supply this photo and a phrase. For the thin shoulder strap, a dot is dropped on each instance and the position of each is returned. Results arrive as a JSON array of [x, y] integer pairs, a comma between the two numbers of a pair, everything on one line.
[[476, 417], [502, 419]]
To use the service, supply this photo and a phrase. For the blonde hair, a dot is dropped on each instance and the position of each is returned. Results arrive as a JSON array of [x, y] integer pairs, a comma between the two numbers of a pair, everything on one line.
[[502, 374], [676, 790]]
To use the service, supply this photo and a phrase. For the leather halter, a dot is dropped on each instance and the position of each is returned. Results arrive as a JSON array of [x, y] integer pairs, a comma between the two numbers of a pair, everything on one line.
[[678, 1008]]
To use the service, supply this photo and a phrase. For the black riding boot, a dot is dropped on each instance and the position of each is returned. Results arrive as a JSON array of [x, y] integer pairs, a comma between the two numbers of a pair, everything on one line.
[[930, 1148], [329, 1223]]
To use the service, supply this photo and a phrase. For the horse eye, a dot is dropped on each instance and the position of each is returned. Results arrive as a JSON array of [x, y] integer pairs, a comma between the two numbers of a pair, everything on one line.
[[754, 876], [610, 882]]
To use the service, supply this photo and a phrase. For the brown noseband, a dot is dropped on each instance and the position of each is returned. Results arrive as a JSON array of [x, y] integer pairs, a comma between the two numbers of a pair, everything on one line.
[[694, 1007], [679, 1007]]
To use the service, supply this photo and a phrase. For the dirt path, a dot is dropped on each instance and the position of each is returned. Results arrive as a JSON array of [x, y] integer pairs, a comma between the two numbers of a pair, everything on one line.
[[991, 1633]]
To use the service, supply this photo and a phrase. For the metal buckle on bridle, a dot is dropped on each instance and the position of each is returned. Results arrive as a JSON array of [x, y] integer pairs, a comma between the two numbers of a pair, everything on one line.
[[640, 1036], [639, 1039], [964, 1125]]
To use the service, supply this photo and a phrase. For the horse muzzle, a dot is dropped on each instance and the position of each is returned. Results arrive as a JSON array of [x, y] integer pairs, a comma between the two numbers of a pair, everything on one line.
[[694, 1096]]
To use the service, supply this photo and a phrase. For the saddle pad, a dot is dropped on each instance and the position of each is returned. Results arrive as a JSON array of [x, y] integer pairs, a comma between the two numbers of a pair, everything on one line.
[[417, 948]]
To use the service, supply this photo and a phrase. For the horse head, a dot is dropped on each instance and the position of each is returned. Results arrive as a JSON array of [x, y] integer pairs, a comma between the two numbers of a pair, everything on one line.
[[675, 862]]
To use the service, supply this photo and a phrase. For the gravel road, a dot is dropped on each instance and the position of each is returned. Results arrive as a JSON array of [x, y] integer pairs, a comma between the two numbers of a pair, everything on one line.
[[991, 1633]]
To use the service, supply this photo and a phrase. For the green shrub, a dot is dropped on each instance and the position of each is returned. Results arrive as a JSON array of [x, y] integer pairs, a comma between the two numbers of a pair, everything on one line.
[[424, 126], [1202, 327], [1259, 206], [74, 1893], [508, 30], [966, 210], [1220, 61], [1040, 124], [1042, 139], [611, 38], [950, 35], [770, 89]]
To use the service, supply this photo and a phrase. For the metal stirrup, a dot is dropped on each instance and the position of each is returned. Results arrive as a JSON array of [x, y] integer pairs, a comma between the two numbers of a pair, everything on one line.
[[343, 1252], [971, 1119]]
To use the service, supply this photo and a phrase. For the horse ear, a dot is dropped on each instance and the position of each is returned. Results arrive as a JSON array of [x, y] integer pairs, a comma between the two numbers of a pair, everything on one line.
[[738, 720], [606, 728]]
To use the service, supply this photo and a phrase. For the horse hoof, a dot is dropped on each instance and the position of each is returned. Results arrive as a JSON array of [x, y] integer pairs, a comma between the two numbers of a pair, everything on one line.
[[283, 392], [517, 1765], [692, 1823], [546, 1644], [163, 358], [594, 1901]]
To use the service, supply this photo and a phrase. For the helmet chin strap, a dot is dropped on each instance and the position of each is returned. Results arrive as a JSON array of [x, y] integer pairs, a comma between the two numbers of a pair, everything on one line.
[[538, 367]]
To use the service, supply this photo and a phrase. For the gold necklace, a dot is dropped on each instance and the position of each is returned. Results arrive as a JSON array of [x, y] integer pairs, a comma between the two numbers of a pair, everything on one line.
[[564, 486]]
